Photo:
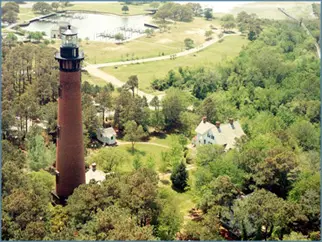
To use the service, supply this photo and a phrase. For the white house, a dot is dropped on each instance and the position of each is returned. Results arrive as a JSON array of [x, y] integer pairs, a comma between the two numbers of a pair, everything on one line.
[[220, 134], [106, 135], [94, 174]]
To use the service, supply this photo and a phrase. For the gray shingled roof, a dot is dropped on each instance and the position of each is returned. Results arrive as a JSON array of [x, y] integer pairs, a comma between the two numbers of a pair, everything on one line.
[[108, 132], [204, 127]]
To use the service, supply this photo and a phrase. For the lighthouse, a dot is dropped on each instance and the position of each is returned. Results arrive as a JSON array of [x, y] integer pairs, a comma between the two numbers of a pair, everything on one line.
[[70, 165]]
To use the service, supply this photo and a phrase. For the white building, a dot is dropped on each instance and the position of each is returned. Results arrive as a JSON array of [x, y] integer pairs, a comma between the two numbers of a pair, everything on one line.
[[94, 174], [107, 136], [220, 134]]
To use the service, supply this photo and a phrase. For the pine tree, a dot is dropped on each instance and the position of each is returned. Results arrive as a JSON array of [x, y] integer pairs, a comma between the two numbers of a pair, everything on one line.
[[179, 177]]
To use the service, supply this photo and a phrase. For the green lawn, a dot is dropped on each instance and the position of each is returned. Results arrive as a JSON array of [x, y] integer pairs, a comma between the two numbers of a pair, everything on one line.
[[161, 43], [144, 151], [186, 200], [163, 139], [270, 9], [210, 56], [93, 80], [26, 14]]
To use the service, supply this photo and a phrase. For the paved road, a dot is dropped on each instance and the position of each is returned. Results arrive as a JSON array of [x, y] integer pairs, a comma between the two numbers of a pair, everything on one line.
[[93, 69]]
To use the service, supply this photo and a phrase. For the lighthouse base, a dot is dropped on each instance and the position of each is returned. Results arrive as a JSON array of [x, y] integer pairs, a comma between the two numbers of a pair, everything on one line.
[[58, 200]]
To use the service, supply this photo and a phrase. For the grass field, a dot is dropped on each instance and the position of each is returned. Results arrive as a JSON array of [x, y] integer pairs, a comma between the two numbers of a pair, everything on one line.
[[112, 7], [270, 9], [147, 72], [93, 80], [144, 151], [167, 43], [26, 14]]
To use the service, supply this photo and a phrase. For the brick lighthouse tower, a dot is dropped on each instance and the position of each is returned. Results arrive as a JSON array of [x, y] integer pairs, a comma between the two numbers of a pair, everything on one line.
[[70, 166]]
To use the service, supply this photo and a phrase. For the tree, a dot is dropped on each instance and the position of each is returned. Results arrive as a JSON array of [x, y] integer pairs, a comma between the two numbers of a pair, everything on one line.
[[133, 132], [306, 134], [139, 194], [189, 43], [125, 9], [228, 25], [208, 13], [196, 8], [10, 6], [137, 164], [90, 119], [157, 120], [114, 223], [222, 192], [55, 6], [105, 100], [210, 229], [260, 213], [149, 32], [179, 177], [119, 36], [108, 159], [189, 121], [133, 83], [41, 7], [10, 17], [35, 36], [173, 104], [208, 34], [11, 39], [39, 155], [170, 218], [86, 200], [175, 12], [150, 163]]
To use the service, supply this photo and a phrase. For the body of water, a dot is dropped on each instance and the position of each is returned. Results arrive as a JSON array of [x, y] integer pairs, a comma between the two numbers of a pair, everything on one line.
[[91, 25]]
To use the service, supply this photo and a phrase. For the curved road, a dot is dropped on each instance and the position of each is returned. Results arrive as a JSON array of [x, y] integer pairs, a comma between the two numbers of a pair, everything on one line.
[[93, 69]]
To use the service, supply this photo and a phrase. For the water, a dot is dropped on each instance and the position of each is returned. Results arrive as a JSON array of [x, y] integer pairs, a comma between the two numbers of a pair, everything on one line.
[[90, 25]]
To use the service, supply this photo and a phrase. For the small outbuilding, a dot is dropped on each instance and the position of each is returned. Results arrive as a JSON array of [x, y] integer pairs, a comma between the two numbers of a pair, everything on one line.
[[106, 135], [94, 174]]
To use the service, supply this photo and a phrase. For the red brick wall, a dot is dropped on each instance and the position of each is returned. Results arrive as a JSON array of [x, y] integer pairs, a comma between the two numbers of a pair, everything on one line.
[[70, 150]]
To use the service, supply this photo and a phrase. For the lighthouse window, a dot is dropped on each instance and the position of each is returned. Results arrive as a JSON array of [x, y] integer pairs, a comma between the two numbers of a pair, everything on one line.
[[59, 91], [57, 176], [74, 52]]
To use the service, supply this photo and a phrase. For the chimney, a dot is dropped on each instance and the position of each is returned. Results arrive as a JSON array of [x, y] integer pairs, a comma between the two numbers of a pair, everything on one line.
[[217, 124], [231, 121], [204, 119], [94, 166]]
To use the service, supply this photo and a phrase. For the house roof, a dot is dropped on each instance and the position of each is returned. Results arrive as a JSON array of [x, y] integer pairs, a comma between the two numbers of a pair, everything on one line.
[[107, 132], [203, 127], [227, 133], [224, 135]]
